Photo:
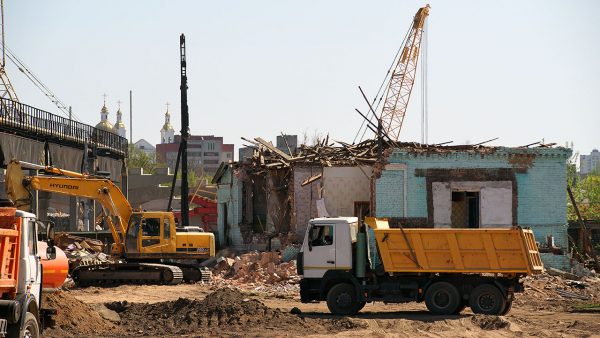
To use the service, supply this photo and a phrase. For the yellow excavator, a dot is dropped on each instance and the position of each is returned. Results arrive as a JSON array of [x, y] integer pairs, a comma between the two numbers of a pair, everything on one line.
[[147, 248]]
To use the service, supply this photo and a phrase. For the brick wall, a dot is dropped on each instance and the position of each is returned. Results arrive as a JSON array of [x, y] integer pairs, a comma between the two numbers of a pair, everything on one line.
[[303, 206], [540, 186], [389, 197]]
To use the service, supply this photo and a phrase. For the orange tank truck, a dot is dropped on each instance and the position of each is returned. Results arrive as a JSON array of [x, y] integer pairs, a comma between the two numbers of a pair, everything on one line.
[[54, 271]]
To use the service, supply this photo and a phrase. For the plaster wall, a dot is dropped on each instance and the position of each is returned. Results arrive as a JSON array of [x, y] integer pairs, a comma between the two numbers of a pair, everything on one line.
[[342, 186]]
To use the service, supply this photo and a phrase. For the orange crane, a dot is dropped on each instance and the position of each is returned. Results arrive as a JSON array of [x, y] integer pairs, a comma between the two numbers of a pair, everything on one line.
[[403, 78]]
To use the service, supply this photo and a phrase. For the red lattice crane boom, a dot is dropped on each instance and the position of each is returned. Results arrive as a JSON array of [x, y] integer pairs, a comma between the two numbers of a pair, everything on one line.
[[403, 78]]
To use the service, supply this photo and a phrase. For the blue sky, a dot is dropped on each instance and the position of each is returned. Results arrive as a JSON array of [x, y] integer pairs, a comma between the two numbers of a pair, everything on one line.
[[522, 71]]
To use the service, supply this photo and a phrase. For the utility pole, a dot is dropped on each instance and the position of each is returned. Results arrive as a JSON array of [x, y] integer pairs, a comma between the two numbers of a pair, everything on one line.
[[130, 118], [185, 122]]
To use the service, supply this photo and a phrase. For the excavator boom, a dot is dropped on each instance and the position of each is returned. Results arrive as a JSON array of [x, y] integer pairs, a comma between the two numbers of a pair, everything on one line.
[[80, 185]]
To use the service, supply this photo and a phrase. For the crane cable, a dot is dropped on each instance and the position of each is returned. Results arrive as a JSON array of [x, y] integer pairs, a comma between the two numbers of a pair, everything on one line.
[[38, 83], [388, 74]]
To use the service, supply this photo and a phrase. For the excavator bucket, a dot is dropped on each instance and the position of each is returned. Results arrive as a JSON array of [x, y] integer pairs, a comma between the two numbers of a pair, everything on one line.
[[15, 189]]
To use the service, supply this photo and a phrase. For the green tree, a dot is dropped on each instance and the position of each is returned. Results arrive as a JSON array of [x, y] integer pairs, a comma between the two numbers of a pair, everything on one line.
[[139, 159], [587, 195]]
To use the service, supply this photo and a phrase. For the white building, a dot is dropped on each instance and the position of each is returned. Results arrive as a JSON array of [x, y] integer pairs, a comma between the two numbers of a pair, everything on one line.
[[146, 147], [587, 163]]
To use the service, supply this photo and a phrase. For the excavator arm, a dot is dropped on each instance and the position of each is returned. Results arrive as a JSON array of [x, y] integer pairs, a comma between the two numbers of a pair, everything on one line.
[[104, 191]]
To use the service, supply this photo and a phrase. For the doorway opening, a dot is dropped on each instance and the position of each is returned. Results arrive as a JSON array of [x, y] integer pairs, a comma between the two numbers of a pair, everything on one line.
[[465, 209]]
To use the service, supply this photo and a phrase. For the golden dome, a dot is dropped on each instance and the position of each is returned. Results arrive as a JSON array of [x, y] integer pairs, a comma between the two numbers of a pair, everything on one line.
[[105, 125], [167, 126], [119, 124]]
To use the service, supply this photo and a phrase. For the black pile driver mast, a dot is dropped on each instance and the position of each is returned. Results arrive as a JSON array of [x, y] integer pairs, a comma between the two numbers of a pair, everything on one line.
[[182, 153], [185, 131]]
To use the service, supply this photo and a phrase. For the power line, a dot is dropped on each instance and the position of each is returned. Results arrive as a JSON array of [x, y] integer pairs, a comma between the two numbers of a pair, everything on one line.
[[388, 74], [39, 84]]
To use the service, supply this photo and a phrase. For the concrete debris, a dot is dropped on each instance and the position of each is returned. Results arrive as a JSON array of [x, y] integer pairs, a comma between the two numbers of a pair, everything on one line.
[[63, 240], [81, 250], [256, 268], [564, 274], [556, 293]]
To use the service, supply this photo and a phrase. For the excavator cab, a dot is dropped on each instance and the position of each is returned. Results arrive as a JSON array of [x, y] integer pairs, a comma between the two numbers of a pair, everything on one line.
[[150, 234]]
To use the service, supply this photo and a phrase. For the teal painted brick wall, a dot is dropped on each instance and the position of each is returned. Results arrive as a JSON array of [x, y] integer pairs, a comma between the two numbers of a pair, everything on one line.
[[229, 192], [541, 190], [390, 194]]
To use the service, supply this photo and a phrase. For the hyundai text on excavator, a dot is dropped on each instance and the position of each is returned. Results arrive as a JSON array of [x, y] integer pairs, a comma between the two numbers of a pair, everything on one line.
[[147, 247]]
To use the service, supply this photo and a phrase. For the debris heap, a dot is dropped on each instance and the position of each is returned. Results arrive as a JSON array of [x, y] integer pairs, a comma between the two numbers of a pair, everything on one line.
[[329, 154], [559, 292], [81, 250], [257, 268]]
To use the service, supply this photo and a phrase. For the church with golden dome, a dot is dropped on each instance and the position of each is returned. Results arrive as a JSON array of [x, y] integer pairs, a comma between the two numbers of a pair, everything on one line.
[[104, 124]]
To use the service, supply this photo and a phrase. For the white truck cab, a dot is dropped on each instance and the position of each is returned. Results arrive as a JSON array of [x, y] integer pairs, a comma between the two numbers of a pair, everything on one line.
[[21, 313], [328, 245]]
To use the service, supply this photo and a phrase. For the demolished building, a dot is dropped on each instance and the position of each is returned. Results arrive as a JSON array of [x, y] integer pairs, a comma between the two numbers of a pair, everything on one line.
[[274, 193]]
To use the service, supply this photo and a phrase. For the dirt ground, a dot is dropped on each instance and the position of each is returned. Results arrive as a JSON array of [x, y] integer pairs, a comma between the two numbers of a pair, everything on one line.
[[256, 311]]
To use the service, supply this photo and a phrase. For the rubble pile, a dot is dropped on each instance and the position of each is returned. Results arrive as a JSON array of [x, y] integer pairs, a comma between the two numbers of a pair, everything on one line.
[[256, 268], [329, 154], [81, 250], [222, 312], [548, 292]]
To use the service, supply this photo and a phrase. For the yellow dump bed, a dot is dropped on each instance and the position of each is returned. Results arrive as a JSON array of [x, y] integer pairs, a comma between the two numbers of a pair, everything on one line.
[[509, 251]]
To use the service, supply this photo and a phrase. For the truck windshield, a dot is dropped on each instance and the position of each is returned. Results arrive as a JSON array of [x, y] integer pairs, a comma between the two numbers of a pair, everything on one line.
[[321, 235]]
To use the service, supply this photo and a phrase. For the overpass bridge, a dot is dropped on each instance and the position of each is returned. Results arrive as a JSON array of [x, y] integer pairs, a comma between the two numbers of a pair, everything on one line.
[[18, 119], [37, 136]]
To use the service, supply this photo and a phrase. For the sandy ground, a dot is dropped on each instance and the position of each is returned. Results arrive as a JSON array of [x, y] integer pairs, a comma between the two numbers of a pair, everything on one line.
[[527, 318]]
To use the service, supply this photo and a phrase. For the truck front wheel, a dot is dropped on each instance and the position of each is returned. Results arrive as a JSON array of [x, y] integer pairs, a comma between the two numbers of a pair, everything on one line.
[[442, 298], [342, 300], [488, 300], [31, 329]]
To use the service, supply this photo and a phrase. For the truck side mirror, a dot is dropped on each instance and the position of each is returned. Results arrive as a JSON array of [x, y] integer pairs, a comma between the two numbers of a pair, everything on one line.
[[50, 252], [50, 232]]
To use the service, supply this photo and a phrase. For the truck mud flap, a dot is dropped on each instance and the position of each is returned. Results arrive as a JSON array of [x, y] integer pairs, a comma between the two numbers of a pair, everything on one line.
[[300, 263], [3, 326]]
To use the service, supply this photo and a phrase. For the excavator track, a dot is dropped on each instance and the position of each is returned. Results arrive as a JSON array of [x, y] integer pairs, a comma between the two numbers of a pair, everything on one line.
[[194, 274], [127, 273]]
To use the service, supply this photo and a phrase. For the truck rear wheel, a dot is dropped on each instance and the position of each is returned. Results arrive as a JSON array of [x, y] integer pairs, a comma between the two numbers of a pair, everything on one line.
[[507, 307], [343, 300], [442, 298], [31, 329], [487, 299]]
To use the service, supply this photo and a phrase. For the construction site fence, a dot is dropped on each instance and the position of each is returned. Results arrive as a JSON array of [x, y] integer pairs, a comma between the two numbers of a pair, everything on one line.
[[31, 122]]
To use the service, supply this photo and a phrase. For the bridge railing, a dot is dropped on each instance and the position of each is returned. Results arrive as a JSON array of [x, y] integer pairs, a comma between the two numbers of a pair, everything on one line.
[[35, 123]]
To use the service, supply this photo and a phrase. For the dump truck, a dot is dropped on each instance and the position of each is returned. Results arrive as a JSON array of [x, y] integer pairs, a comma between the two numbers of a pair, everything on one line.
[[21, 276], [348, 264], [147, 248]]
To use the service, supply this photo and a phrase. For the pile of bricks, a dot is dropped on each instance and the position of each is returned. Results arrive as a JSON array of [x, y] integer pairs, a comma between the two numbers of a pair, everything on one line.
[[257, 268]]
